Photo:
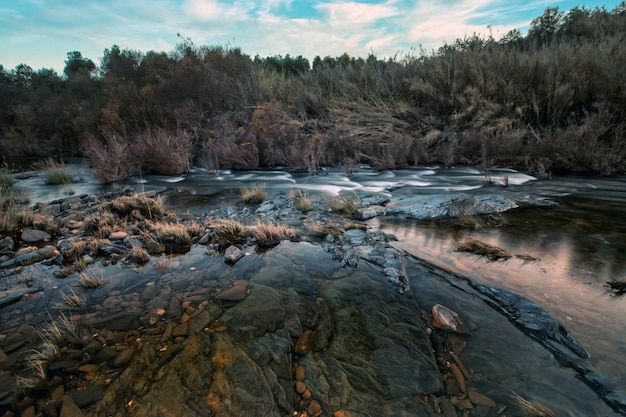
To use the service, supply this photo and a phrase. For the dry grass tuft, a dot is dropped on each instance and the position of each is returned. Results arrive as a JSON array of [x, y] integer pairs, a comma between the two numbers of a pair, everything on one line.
[[270, 234], [228, 232], [254, 195], [53, 334], [54, 173], [71, 301], [478, 247], [138, 255], [343, 203], [87, 279], [301, 201], [29, 218], [139, 206], [102, 224], [533, 408]]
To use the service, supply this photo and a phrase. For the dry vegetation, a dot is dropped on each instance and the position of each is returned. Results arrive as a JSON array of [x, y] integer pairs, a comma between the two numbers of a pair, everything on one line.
[[269, 233], [301, 201], [342, 203], [254, 195], [478, 247], [550, 99]]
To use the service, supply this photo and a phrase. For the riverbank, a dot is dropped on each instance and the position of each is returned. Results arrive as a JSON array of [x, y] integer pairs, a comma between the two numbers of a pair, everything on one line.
[[338, 320]]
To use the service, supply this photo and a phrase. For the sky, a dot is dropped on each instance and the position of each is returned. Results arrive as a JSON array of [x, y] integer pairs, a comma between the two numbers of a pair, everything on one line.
[[40, 33]]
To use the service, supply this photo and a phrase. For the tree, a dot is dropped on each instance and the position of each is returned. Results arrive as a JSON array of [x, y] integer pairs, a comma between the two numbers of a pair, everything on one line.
[[23, 75], [75, 64], [120, 64], [544, 28]]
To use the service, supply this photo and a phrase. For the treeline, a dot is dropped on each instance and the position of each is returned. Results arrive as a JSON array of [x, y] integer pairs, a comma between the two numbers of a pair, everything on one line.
[[552, 99]]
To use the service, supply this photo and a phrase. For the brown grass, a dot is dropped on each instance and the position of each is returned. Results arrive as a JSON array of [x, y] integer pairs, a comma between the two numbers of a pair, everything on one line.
[[139, 206], [228, 232], [254, 195], [138, 255], [88, 279], [270, 233], [478, 247], [343, 203], [301, 201]]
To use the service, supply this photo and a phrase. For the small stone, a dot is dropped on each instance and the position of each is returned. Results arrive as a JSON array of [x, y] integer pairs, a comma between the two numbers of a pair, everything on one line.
[[452, 386], [88, 396], [3, 356], [307, 394], [123, 358], [236, 293], [479, 399], [182, 330], [94, 346], [89, 367], [69, 408], [34, 236], [314, 408], [300, 373], [305, 342], [120, 235], [299, 387], [232, 255]]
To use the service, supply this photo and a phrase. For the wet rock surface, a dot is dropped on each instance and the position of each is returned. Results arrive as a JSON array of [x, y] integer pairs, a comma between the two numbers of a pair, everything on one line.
[[335, 328]]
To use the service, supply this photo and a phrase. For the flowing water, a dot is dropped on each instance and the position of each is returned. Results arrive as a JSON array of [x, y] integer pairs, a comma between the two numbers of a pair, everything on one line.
[[579, 244]]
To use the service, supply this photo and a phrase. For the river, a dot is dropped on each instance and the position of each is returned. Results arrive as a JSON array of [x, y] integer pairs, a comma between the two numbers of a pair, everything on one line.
[[579, 244]]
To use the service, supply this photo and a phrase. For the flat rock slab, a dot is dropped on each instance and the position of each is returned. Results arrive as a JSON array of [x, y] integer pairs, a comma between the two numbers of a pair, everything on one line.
[[34, 236]]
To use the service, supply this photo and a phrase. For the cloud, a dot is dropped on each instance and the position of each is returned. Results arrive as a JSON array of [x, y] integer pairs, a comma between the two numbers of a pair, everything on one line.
[[352, 13], [216, 11]]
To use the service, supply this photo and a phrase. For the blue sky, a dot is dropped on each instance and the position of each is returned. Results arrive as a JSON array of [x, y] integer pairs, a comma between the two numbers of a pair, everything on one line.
[[39, 33]]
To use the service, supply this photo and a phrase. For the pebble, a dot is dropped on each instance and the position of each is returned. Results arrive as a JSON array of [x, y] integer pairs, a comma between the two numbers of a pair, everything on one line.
[[300, 373], [300, 387], [34, 236], [120, 235], [479, 399], [314, 408], [123, 358], [69, 408], [236, 293], [182, 330]]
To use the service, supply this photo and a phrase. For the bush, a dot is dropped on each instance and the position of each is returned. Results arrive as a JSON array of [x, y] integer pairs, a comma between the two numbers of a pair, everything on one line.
[[54, 173], [301, 201], [254, 195]]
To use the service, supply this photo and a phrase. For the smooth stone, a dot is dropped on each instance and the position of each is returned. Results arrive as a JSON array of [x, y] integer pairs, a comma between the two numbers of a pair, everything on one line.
[[123, 357], [232, 254], [120, 235], [300, 387], [452, 387], [314, 408], [69, 408], [236, 293], [300, 373], [34, 236], [182, 330], [88, 396], [150, 292], [479, 399]]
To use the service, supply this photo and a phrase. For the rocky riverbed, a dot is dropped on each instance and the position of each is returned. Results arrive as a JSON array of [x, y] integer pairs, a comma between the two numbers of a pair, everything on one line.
[[328, 320]]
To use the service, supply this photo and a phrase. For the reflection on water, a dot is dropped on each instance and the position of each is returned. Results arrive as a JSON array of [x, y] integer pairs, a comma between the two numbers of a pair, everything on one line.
[[581, 243]]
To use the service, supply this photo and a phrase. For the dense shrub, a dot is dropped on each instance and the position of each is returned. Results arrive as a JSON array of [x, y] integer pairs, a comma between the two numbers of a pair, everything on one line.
[[551, 99]]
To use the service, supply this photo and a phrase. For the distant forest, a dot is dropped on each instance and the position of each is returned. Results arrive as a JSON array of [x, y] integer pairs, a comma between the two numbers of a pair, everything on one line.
[[554, 98]]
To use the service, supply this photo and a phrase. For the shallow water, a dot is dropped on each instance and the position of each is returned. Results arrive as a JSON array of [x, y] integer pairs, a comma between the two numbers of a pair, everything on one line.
[[580, 244]]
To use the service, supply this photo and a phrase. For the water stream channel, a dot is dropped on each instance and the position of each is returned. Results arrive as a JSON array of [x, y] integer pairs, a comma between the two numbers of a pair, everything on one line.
[[579, 244]]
